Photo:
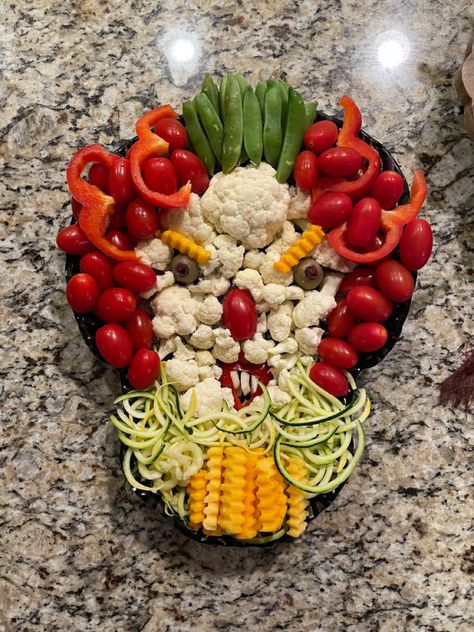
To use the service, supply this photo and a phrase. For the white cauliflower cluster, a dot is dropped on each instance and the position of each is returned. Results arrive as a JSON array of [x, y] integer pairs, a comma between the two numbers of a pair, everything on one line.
[[246, 220]]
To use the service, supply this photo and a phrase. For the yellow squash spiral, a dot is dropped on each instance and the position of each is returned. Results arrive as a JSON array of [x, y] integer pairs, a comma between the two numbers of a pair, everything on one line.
[[297, 503], [185, 245], [301, 248]]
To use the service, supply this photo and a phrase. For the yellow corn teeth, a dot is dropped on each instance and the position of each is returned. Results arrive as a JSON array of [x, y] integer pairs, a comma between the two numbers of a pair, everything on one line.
[[301, 248], [196, 493], [297, 503], [231, 512], [215, 456], [249, 526], [185, 245], [271, 500]]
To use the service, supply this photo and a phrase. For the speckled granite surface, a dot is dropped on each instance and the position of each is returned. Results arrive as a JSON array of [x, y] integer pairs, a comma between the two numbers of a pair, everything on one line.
[[393, 552]]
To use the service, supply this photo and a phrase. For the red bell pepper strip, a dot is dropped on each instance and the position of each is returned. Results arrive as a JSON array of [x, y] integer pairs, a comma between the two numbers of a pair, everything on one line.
[[260, 370], [392, 224], [148, 146], [97, 207], [348, 137]]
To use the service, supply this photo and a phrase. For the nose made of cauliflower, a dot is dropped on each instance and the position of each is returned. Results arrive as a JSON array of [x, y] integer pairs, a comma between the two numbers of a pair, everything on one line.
[[246, 220]]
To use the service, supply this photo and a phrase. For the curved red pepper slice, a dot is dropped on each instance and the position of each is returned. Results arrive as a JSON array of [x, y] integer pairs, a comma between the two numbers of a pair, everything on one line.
[[97, 207], [348, 137], [148, 146], [392, 225], [260, 370]]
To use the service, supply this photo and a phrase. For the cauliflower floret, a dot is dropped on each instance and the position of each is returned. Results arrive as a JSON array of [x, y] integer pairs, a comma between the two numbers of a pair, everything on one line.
[[203, 337], [273, 294], [249, 279], [166, 348], [254, 259], [262, 324], [213, 262], [215, 285], [287, 346], [331, 283], [210, 397], [299, 203], [256, 350], [209, 311], [247, 204], [282, 381], [328, 257], [306, 360], [270, 275], [210, 371], [174, 312], [188, 220], [183, 374], [279, 322], [205, 358], [162, 280], [313, 308], [154, 253], [279, 398], [287, 238], [294, 293], [183, 351], [279, 362], [308, 339], [226, 349], [230, 255]]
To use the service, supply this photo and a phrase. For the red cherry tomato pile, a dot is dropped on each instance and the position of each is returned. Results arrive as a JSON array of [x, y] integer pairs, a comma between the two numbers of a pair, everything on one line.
[[108, 288]]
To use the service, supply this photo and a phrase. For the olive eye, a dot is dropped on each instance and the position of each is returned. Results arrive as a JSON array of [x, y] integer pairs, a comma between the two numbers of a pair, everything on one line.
[[308, 274], [185, 269]]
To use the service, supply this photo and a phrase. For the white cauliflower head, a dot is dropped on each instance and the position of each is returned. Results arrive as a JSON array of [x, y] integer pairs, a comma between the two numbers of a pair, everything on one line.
[[313, 308], [175, 312], [188, 220], [154, 253]]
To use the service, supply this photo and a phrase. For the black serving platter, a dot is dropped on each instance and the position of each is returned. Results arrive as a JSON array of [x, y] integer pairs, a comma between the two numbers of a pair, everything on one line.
[[88, 326]]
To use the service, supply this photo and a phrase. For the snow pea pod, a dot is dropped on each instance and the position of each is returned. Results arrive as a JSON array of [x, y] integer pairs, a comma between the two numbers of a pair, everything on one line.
[[197, 137], [222, 89], [233, 125], [253, 141], [295, 129], [210, 89], [285, 89], [260, 90], [272, 133], [211, 123], [310, 110], [243, 83]]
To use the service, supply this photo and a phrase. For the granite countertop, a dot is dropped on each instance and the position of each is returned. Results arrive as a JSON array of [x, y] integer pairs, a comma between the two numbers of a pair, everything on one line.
[[76, 553]]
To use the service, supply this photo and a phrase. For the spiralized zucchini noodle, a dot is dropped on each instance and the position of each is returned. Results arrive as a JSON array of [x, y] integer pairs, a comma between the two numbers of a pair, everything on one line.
[[166, 445]]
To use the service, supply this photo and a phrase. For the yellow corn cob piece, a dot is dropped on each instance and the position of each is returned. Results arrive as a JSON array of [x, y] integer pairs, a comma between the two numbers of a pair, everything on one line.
[[232, 502], [271, 500], [302, 247], [196, 492], [185, 245], [297, 503], [215, 456], [249, 527]]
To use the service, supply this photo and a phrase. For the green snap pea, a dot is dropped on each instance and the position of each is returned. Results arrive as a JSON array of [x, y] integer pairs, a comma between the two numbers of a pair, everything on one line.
[[310, 110], [253, 141], [233, 125], [243, 155], [243, 83], [260, 90], [210, 89], [198, 137], [211, 123], [222, 89], [285, 88], [272, 133], [295, 129]]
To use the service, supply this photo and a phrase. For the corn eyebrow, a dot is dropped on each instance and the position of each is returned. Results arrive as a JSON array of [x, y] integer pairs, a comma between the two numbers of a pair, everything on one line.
[[302, 247], [185, 245]]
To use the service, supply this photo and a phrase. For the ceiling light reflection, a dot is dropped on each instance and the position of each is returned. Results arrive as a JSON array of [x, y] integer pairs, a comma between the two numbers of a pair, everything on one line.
[[392, 49], [181, 50]]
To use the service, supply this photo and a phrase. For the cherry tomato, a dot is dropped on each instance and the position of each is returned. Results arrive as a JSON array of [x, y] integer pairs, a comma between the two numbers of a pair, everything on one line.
[[135, 276], [143, 369], [120, 181], [141, 219], [369, 304], [239, 314], [321, 136], [306, 170], [190, 168], [338, 353], [173, 132], [115, 305], [98, 266], [367, 337], [82, 293], [114, 345], [395, 281], [140, 329], [416, 244], [99, 176], [119, 239], [340, 320], [360, 276], [329, 378], [387, 189], [363, 223], [76, 208], [117, 219], [330, 210], [72, 239], [340, 162], [160, 175]]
